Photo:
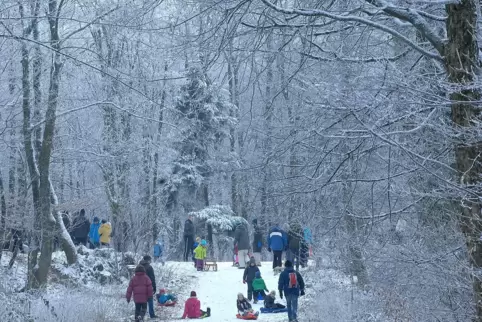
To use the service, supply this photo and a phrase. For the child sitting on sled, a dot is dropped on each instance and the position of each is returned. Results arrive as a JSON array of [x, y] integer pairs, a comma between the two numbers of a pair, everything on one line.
[[269, 301], [244, 308], [165, 298], [192, 308], [259, 286], [200, 254]]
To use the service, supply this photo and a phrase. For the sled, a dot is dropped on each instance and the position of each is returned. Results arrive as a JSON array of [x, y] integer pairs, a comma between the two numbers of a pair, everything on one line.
[[211, 264], [260, 297], [167, 304], [273, 310], [248, 317]]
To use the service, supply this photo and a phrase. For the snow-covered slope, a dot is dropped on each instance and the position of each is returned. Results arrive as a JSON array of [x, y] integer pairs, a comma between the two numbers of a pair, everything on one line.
[[218, 290]]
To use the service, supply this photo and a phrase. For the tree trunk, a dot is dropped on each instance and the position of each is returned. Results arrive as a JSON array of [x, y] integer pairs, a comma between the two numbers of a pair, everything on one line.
[[3, 214], [47, 220], [462, 60]]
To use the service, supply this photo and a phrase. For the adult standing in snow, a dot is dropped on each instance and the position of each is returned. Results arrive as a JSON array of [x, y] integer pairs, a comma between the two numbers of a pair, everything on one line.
[[277, 242], [291, 284], [188, 238], [94, 238], [305, 246], [241, 237], [80, 229], [257, 242], [146, 263], [295, 239]]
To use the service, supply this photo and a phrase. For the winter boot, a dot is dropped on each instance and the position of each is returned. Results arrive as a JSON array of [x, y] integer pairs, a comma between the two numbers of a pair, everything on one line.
[[208, 311]]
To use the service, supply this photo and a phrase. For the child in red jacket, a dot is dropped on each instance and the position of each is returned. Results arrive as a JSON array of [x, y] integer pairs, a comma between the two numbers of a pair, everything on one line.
[[140, 287], [192, 308]]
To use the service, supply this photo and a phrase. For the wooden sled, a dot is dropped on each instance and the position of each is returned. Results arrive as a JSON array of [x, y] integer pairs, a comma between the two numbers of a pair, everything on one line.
[[211, 264]]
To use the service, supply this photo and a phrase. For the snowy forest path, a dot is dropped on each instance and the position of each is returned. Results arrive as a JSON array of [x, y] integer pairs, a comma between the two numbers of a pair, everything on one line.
[[218, 290]]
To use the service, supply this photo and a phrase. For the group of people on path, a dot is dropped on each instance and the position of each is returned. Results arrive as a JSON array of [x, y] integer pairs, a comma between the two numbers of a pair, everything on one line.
[[82, 232], [290, 284], [293, 240], [142, 288]]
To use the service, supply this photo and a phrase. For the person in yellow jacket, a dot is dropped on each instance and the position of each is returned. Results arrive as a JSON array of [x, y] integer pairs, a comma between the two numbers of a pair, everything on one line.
[[200, 255], [105, 230]]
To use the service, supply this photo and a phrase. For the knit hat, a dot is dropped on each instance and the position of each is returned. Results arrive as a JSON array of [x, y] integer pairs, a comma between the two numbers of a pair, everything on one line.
[[96, 219], [203, 243], [257, 274], [240, 295], [147, 258], [273, 293], [198, 239], [288, 264], [193, 294], [252, 261], [140, 268], [162, 291]]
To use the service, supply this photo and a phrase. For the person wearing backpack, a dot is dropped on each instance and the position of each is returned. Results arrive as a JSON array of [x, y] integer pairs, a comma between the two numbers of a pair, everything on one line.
[[291, 284]]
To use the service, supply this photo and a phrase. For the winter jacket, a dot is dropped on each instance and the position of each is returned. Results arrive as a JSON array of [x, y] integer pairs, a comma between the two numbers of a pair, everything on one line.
[[277, 239], [286, 279], [295, 236], [308, 236], [259, 285], [104, 232], [257, 240], [241, 237], [188, 228], [192, 308], [94, 232], [200, 252], [250, 273], [140, 287], [243, 305], [157, 250], [80, 227], [269, 302], [166, 297], [149, 272]]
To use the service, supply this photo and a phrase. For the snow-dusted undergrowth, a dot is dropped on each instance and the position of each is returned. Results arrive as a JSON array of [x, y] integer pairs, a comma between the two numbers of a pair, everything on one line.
[[92, 290]]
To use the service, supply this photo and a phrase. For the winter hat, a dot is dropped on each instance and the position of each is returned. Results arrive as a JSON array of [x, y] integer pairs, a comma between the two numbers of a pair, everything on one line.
[[103, 221], [147, 258], [288, 264], [198, 239], [193, 294], [273, 293], [240, 295], [96, 219], [162, 291], [258, 274], [140, 268], [203, 243], [252, 261]]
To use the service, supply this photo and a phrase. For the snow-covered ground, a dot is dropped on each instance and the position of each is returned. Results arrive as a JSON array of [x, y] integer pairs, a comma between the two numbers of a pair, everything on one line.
[[218, 290]]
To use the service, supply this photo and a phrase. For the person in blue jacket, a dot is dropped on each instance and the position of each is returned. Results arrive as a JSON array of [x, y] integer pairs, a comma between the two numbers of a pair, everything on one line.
[[158, 252], [291, 284], [277, 242], [94, 238]]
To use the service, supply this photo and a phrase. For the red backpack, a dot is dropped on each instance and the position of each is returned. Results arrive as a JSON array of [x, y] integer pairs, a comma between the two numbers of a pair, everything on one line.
[[293, 280]]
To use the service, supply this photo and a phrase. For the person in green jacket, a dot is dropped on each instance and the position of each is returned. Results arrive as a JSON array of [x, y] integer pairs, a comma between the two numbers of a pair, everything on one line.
[[259, 286]]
